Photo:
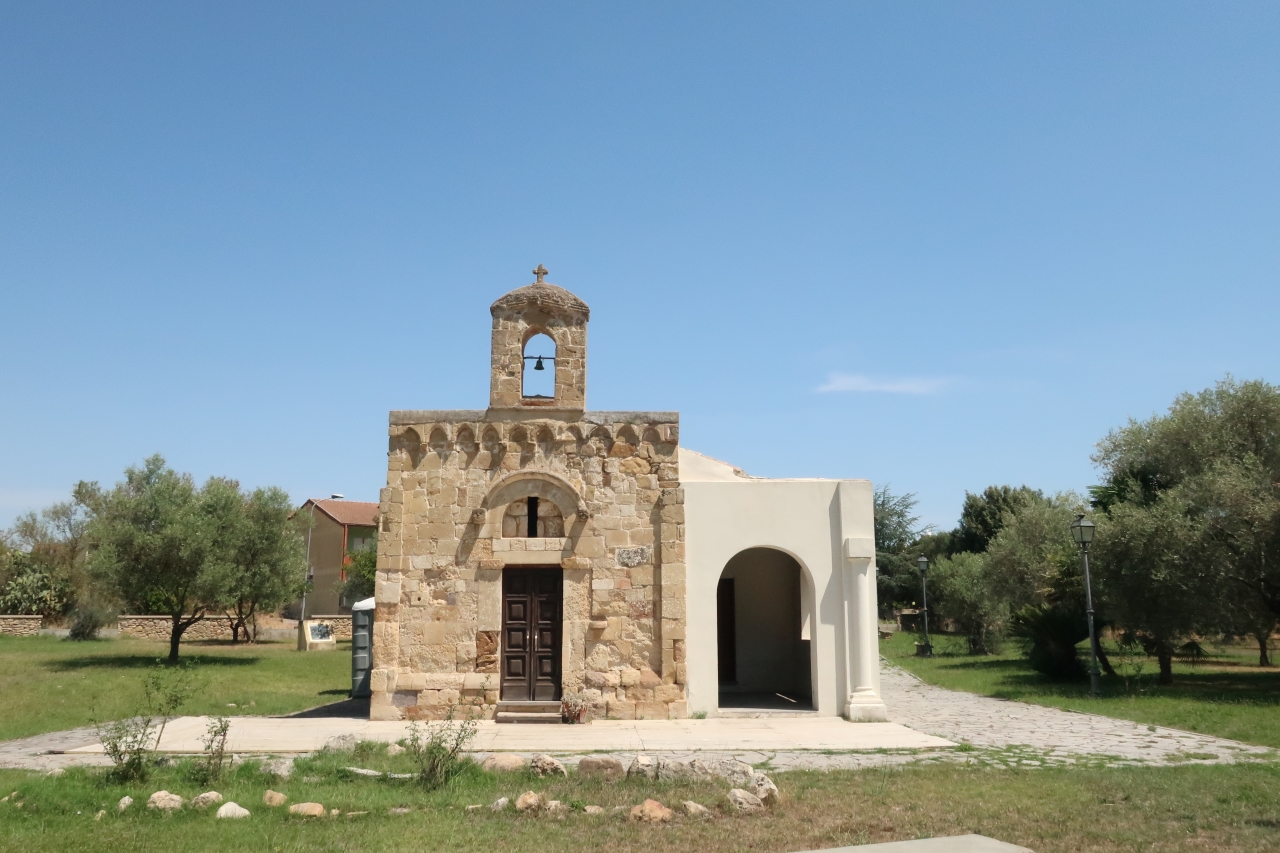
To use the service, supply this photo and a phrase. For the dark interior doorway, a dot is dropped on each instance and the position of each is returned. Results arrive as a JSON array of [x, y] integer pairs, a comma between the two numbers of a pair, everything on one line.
[[726, 632], [531, 625], [763, 648]]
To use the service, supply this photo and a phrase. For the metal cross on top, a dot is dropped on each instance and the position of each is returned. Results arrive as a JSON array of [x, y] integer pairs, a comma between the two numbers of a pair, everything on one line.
[[540, 272]]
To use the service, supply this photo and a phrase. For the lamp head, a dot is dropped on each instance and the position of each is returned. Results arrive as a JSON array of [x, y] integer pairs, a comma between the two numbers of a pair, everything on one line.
[[922, 562], [1082, 530]]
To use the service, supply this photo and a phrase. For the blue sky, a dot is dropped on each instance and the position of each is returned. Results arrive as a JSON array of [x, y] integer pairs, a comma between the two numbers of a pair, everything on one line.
[[935, 245]]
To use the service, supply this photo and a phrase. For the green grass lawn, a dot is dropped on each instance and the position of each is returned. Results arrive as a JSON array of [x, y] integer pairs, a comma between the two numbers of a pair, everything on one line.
[[1076, 810], [1227, 696], [49, 684]]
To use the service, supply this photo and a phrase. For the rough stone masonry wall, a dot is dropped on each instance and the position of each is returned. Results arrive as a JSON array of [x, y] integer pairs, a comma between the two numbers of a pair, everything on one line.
[[20, 626], [209, 628], [451, 475]]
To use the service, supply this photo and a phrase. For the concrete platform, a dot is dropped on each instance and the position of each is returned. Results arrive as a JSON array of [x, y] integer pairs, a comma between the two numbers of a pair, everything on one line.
[[282, 735], [954, 844]]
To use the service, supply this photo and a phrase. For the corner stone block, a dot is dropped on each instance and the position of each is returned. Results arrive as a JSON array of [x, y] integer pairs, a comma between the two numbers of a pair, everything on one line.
[[616, 710], [652, 711], [387, 592]]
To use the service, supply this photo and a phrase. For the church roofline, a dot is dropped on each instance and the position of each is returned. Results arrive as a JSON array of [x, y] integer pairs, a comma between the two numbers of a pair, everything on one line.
[[541, 294], [405, 417]]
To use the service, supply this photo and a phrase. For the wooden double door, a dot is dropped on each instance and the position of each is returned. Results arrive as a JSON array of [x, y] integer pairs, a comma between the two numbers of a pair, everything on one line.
[[531, 633]]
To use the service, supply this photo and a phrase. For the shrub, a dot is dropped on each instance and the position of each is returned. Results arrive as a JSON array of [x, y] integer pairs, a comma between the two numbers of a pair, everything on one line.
[[32, 590], [211, 764], [1053, 631], [439, 752], [129, 743], [88, 621]]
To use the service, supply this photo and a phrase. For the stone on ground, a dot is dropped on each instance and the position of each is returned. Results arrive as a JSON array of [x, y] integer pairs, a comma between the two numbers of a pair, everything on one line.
[[736, 773], [232, 811], [165, 801], [334, 812], [545, 765], [499, 804], [308, 809], [56, 772], [744, 801], [602, 766], [528, 801], [124, 803], [274, 798], [100, 815], [555, 808], [764, 788], [395, 749], [399, 810], [594, 810], [693, 809], [503, 762], [361, 771], [651, 811], [675, 771], [341, 742], [643, 767], [281, 768], [208, 798], [474, 808]]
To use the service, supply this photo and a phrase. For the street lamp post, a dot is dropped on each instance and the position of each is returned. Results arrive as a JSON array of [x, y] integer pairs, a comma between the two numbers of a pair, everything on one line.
[[925, 651], [1082, 531]]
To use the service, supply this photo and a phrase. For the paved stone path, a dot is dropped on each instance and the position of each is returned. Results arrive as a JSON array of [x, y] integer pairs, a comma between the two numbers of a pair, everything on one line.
[[1062, 736], [997, 732]]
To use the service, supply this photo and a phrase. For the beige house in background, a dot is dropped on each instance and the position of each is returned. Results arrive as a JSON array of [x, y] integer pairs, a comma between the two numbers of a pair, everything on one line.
[[536, 549], [341, 529]]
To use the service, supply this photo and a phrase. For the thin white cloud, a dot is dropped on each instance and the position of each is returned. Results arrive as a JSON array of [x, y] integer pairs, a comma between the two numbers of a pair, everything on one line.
[[861, 383]]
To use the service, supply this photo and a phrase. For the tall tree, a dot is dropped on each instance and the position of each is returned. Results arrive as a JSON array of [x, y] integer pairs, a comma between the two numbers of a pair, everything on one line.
[[1221, 448], [983, 515], [1150, 558], [268, 559], [966, 595], [897, 528], [164, 544]]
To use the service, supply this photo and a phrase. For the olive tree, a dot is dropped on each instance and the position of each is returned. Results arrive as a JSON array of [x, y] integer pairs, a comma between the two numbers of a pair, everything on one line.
[[164, 544], [267, 559]]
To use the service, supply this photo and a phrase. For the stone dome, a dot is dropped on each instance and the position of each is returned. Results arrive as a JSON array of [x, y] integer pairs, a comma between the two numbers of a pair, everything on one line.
[[541, 294]]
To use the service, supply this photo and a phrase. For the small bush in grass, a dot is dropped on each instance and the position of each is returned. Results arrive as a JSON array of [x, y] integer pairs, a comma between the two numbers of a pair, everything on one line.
[[129, 743], [88, 621], [212, 764], [438, 752]]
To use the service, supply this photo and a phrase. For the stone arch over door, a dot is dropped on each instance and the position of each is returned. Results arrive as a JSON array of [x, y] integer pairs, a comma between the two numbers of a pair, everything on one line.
[[541, 484], [764, 649]]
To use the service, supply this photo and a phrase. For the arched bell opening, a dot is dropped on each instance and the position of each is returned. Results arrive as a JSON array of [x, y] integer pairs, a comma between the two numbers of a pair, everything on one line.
[[539, 378], [763, 643]]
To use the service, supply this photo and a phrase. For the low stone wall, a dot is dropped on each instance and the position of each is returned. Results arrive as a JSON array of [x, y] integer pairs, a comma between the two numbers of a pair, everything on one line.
[[158, 628], [208, 628], [29, 626], [339, 624]]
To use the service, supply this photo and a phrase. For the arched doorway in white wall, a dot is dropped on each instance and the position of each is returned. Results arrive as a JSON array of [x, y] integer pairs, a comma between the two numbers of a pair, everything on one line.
[[762, 639]]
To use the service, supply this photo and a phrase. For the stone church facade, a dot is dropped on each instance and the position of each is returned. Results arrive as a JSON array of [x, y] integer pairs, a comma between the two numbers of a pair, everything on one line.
[[534, 549]]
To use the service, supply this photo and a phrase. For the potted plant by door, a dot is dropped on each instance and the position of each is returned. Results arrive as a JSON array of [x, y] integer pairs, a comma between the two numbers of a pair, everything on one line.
[[573, 708]]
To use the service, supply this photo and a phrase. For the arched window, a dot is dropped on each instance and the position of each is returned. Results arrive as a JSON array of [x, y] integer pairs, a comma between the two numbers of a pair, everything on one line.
[[539, 368]]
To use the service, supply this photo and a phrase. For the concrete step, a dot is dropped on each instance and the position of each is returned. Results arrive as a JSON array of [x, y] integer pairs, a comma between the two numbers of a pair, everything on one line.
[[528, 712], [518, 717], [763, 713]]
